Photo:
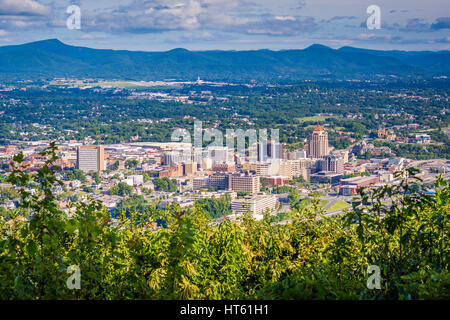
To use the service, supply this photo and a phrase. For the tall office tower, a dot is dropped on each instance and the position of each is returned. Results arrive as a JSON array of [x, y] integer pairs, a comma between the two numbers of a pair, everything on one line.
[[275, 150], [190, 168], [333, 163], [269, 150], [206, 163], [91, 158], [220, 154], [318, 143], [177, 156]]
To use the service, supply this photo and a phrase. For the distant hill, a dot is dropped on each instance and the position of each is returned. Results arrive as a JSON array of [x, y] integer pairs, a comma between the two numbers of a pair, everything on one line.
[[52, 58]]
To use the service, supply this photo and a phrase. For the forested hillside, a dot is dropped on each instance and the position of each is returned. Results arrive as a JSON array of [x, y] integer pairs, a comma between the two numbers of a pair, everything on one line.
[[51, 58]]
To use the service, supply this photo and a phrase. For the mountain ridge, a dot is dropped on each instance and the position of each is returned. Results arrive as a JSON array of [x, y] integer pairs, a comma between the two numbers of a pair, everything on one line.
[[52, 58]]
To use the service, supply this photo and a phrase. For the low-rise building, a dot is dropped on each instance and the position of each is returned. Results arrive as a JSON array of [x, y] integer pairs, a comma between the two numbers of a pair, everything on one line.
[[351, 185], [224, 167], [244, 183], [256, 204], [331, 178], [277, 180], [422, 138], [201, 183]]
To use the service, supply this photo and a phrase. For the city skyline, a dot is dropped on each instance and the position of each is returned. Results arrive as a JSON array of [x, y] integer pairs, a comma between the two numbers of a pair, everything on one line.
[[228, 153]]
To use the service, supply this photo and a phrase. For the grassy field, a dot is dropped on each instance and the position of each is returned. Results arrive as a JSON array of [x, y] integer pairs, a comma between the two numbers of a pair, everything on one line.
[[314, 119], [338, 205], [124, 84], [135, 85], [307, 203]]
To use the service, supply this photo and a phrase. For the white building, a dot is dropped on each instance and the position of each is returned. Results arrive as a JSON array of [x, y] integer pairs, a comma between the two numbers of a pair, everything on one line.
[[257, 204], [422, 138], [296, 155], [137, 179], [206, 163], [91, 158], [271, 168]]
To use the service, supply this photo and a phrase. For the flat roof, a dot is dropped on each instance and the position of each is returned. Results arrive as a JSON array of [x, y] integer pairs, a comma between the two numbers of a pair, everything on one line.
[[359, 179]]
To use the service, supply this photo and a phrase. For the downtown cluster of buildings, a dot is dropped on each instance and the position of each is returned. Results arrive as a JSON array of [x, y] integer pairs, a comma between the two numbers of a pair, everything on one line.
[[212, 172]]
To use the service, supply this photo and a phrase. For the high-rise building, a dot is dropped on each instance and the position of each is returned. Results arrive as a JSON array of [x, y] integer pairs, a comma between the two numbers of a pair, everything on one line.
[[190, 168], [91, 158], [219, 154], [318, 143], [206, 163], [177, 156], [333, 163], [269, 150]]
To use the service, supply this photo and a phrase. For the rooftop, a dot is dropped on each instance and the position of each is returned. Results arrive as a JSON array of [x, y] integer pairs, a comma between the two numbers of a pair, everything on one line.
[[318, 128]]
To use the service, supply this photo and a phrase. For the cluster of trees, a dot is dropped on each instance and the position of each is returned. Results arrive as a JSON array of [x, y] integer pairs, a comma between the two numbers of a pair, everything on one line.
[[314, 257], [264, 185], [135, 203], [131, 164], [8, 194], [216, 207], [121, 189], [76, 174], [417, 151], [356, 174], [165, 184], [284, 189]]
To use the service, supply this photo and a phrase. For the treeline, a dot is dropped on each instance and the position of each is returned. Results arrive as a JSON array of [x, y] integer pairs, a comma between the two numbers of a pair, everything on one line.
[[314, 257]]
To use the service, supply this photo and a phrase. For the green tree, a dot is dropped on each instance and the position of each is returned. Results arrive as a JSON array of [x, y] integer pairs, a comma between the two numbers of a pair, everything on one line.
[[114, 190], [97, 178], [77, 175], [124, 189], [131, 164]]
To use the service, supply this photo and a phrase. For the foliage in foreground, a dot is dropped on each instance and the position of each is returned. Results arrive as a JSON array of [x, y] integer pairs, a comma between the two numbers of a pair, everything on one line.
[[312, 258]]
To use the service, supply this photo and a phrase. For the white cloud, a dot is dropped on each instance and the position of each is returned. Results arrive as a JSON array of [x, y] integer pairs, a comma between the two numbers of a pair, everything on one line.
[[18, 22], [372, 36], [154, 16], [23, 7], [89, 36], [285, 18], [20, 15]]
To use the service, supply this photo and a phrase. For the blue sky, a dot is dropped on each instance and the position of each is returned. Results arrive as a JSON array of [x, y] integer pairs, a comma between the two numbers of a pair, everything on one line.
[[156, 25]]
